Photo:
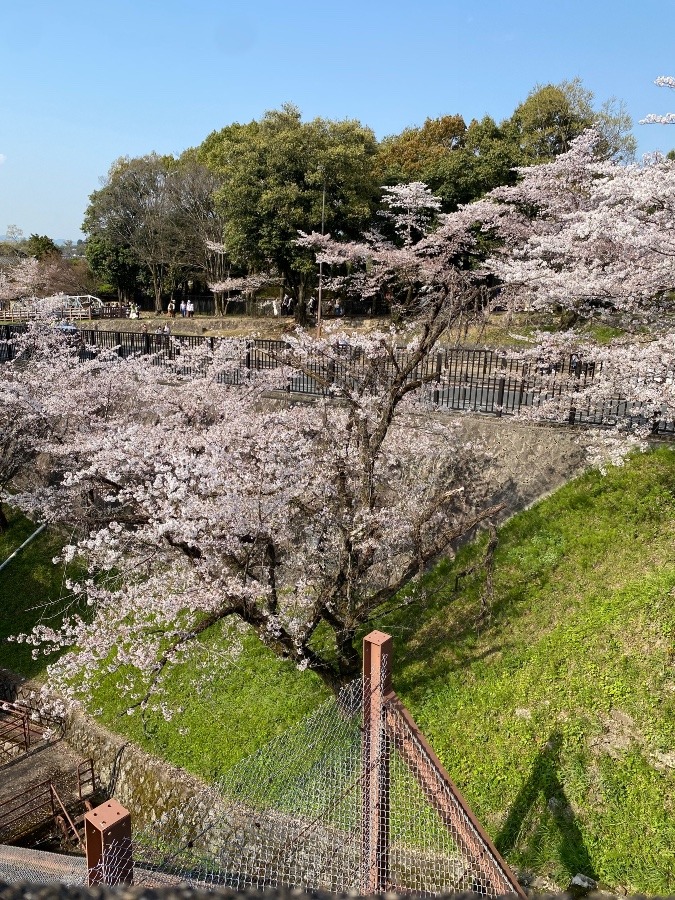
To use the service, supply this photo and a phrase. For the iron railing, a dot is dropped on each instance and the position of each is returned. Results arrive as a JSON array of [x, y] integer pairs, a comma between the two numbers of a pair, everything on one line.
[[455, 379]]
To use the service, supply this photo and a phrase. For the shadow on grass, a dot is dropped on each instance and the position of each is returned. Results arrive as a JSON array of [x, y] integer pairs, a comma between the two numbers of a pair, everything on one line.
[[543, 784]]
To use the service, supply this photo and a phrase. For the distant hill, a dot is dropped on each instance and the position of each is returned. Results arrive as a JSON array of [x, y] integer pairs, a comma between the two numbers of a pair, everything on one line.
[[59, 241]]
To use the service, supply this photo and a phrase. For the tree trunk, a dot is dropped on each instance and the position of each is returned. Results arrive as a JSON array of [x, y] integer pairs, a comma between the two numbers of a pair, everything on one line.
[[569, 319], [157, 288], [335, 680], [336, 674], [301, 305], [4, 524]]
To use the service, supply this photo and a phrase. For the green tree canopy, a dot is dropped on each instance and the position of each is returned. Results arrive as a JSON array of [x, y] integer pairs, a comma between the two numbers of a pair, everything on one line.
[[132, 211], [153, 212], [276, 174], [114, 264], [461, 163], [40, 246], [415, 151], [545, 124]]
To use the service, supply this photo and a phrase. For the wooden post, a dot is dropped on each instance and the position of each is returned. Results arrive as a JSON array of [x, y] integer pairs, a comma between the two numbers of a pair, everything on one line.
[[377, 649], [107, 831]]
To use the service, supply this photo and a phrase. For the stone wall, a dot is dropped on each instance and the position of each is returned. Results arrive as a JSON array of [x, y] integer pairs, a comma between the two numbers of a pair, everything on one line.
[[527, 462], [144, 784]]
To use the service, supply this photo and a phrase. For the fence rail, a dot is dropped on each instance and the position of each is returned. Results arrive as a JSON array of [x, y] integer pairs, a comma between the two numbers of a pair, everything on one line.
[[21, 727], [455, 379]]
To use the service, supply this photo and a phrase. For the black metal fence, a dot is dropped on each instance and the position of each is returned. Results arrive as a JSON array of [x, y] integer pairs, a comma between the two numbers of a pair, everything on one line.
[[476, 380]]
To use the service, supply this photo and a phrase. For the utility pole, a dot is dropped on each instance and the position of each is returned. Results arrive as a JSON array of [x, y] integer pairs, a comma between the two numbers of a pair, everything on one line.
[[323, 223]]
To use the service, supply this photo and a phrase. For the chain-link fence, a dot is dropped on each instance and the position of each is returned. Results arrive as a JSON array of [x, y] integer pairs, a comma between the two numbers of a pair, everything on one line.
[[350, 799]]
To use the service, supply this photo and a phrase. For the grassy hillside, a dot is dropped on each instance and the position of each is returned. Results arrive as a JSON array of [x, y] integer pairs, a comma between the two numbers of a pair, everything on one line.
[[30, 588], [557, 717], [244, 702], [554, 714]]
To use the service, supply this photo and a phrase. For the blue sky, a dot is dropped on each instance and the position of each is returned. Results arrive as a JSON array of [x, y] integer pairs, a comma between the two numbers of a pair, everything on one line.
[[83, 82]]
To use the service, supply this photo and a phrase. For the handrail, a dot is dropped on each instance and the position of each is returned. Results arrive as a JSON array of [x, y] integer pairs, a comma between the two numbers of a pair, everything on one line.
[[35, 794], [16, 722], [37, 797], [90, 779], [15, 719], [25, 544], [55, 793]]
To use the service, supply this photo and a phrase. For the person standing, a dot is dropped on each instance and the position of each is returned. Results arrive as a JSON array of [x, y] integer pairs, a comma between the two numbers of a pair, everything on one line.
[[190, 307], [183, 307]]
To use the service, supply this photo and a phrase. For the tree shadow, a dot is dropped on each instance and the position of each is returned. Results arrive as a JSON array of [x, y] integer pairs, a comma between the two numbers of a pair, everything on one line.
[[543, 783], [444, 630]]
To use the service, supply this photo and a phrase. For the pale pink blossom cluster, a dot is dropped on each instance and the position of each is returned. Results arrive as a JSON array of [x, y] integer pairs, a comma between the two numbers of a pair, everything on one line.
[[21, 279], [588, 236], [668, 118], [200, 501]]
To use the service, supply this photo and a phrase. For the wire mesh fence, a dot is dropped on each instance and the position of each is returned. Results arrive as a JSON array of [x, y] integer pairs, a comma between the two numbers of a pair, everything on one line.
[[350, 799], [290, 814]]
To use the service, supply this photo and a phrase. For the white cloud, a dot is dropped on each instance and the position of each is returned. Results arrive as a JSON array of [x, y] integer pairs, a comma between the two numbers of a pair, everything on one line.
[[2, 158]]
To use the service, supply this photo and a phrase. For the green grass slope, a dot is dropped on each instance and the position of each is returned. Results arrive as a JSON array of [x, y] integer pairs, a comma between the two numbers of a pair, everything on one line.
[[243, 702], [554, 714], [556, 717], [30, 590]]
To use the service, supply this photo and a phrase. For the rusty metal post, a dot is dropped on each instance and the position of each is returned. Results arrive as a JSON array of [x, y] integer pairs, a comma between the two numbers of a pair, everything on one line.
[[107, 831], [377, 649]]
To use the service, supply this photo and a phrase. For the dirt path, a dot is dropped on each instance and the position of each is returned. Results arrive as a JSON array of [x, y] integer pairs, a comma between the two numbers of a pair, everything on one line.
[[497, 332], [54, 760]]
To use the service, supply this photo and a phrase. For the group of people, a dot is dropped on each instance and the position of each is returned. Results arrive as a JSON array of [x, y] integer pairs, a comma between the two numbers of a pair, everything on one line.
[[186, 308], [285, 306], [159, 330], [337, 307]]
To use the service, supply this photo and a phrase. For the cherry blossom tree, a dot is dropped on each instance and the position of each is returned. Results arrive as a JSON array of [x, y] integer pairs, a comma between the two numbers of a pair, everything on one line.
[[22, 422], [653, 118], [201, 502], [44, 390], [411, 208], [28, 277], [21, 279], [210, 507], [427, 271], [591, 237], [594, 239]]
